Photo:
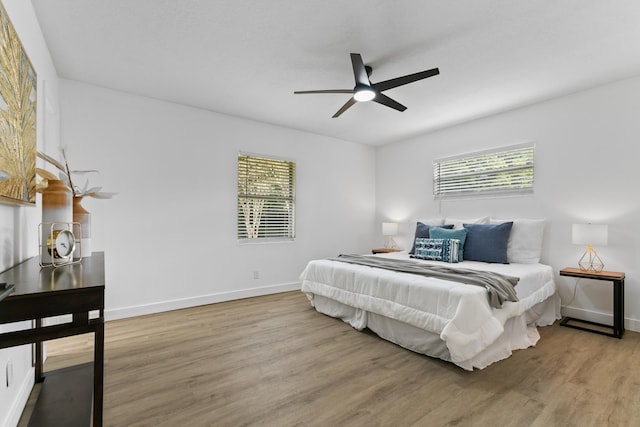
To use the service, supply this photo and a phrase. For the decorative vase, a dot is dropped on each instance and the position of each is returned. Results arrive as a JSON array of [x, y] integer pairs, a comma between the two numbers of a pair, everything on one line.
[[82, 232], [56, 208]]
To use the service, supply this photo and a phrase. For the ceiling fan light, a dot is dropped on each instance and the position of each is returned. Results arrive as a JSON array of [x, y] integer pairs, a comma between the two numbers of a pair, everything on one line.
[[364, 94]]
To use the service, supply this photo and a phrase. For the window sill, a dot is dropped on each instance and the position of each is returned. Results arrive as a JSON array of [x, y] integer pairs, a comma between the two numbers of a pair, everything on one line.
[[265, 241]]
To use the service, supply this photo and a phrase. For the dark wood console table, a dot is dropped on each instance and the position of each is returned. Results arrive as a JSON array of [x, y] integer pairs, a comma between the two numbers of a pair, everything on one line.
[[76, 289], [618, 301]]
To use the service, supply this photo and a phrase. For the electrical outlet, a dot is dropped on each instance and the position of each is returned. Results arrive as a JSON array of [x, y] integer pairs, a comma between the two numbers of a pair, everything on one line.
[[9, 373], [256, 274]]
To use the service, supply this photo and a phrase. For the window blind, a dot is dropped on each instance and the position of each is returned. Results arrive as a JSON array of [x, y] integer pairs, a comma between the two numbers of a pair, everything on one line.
[[507, 170], [266, 198]]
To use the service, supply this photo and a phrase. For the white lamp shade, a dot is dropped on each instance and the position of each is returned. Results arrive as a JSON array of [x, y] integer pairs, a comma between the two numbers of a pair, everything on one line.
[[389, 228], [589, 234]]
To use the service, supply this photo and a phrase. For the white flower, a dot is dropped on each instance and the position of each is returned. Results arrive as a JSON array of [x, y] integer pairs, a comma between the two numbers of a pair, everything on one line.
[[66, 176]]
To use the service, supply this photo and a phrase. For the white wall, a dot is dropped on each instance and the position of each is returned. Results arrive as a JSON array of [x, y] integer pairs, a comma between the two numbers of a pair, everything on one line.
[[19, 224], [586, 171], [169, 235]]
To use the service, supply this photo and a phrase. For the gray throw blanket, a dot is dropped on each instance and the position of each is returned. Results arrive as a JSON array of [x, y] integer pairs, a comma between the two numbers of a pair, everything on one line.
[[500, 288]]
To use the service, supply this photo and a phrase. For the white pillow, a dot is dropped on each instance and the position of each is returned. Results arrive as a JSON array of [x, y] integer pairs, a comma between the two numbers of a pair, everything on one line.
[[457, 223], [525, 240]]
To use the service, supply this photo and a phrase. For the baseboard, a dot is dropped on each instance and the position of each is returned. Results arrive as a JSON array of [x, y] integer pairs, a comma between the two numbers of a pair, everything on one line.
[[20, 402], [595, 316], [177, 304]]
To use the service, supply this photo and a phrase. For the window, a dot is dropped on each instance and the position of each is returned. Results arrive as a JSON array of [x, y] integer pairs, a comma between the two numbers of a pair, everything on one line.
[[266, 198], [507, 170]]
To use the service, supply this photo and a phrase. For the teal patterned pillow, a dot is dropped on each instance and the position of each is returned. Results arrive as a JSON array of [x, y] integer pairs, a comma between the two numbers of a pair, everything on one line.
[[437, 249], [422, 232], [459, 234]]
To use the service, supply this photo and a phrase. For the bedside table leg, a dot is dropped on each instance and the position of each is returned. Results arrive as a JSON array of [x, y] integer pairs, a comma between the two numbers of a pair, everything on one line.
[[618, 308]]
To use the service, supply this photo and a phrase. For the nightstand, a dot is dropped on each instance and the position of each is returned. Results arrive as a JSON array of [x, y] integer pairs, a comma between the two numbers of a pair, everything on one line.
[[384, 250], [618, 301]]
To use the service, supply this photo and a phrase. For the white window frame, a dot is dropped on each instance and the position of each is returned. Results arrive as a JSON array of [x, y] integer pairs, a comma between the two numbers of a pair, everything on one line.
[[499, 171], [252, 197]]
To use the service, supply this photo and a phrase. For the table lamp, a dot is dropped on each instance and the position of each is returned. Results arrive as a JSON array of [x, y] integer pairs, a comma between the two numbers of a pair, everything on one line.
[[390, 229], [590, 234]]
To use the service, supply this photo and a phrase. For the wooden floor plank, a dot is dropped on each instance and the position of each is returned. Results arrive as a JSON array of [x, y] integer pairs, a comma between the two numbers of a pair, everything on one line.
[[274, 361]]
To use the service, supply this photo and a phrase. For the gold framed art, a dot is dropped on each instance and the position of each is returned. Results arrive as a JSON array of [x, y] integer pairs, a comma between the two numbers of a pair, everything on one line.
[[18, 108]]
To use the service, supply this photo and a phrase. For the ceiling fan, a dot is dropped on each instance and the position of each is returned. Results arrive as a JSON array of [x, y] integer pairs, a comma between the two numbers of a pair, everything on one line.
[[365, 90]]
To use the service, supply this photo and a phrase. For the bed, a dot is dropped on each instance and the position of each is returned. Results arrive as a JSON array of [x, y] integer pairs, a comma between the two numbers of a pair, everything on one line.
[[449, 320]]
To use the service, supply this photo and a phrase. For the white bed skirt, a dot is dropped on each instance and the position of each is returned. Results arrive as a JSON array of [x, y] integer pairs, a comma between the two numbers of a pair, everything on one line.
[[519, 332]]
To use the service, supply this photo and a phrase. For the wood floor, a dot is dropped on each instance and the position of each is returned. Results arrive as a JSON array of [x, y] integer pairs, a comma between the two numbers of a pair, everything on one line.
[[274, 361]]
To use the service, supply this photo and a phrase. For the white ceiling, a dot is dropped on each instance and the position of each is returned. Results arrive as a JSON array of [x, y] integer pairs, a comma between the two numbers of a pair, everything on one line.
[[246, 57]]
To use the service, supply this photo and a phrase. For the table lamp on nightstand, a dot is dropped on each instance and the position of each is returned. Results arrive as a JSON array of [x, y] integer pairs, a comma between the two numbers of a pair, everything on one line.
[[590, 234], [390, 229]]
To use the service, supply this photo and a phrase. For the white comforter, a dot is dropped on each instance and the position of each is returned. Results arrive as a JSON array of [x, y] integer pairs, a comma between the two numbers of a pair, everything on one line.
[[459, 313]]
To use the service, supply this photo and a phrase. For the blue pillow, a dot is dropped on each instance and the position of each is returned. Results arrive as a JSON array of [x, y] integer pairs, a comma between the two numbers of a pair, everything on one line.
[[444, 233], [437, 249], [422, 232], [487, 242]]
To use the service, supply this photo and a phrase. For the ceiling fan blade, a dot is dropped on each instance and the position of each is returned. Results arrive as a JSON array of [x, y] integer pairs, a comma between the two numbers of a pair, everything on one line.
[[385, 100], [359, 70], [345, 107], [298, 92], [410, 78]]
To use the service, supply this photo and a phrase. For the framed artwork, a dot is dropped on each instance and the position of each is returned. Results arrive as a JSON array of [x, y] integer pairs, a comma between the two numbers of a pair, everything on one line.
[[18, 99]]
